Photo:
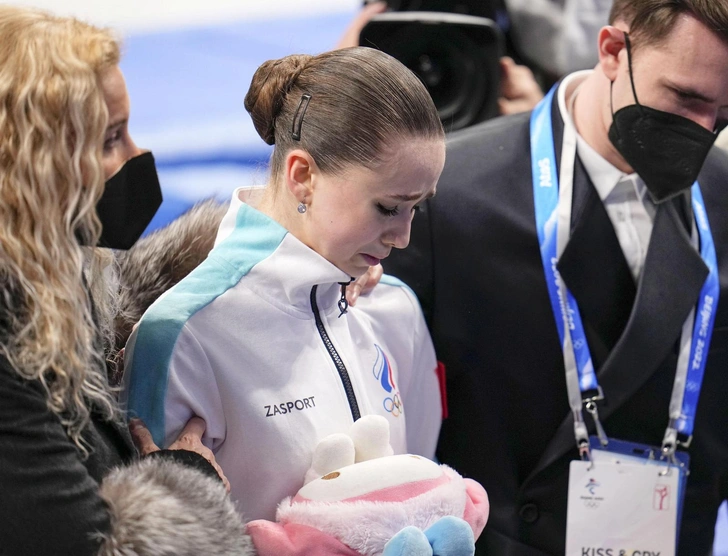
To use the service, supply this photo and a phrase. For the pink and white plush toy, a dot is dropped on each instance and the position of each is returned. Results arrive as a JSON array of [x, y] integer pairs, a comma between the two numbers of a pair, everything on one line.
[[359, 499]]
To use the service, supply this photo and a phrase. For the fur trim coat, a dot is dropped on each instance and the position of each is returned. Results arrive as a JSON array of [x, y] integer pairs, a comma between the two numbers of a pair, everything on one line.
[[160, 507]]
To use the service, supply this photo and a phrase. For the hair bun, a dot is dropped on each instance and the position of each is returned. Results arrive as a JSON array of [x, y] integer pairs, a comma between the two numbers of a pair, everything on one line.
[[268, 89]]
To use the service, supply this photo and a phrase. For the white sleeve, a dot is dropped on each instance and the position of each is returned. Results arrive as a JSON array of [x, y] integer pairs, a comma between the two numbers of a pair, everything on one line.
[[192, 391], [167, 385], [421, 391]]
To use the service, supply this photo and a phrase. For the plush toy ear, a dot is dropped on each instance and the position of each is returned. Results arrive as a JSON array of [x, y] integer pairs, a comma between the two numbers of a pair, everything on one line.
[[371, 438], [332, 453], [368, 438], [477, 506]]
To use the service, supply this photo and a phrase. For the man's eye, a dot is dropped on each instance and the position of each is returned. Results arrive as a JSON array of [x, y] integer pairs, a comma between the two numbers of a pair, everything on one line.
[[394, 211]]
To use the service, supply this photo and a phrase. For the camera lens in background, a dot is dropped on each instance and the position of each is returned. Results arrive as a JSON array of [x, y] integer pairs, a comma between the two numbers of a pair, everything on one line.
[[454, 80], [481, 8], [455, 56]]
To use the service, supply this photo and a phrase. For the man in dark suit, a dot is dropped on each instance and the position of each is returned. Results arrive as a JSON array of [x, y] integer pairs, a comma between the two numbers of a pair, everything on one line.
[[631, 263]]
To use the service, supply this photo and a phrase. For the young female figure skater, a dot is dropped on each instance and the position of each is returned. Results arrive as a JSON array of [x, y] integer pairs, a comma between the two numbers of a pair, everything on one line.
[[259, 340]]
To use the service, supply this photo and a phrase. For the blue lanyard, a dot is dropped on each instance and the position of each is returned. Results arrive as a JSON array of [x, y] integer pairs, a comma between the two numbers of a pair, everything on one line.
[[564, 307], [704, 318], [546, 198]]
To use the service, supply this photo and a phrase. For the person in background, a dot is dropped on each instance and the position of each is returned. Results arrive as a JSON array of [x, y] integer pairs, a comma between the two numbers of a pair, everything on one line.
[[519, 89], [69, 479], [551, 37], [634, 134], [556, 37]]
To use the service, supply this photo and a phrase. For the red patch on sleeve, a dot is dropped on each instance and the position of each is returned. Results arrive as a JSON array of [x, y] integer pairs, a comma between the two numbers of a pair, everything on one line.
[[440, 370]]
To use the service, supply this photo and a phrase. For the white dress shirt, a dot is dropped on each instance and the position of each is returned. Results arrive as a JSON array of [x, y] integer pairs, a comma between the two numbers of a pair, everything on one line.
[[624, 195]]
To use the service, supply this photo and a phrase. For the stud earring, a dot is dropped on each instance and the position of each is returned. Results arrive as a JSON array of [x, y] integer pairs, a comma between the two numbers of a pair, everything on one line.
[[301, 207]]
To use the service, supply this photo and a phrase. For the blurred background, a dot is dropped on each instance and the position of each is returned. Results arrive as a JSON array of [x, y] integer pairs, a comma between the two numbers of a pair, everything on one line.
[[188, 65]]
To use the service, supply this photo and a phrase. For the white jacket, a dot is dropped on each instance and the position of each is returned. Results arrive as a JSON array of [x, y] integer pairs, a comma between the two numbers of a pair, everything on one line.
[[253, 342]]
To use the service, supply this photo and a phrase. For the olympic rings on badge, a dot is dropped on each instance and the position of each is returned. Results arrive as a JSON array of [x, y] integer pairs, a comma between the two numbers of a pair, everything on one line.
[[393, 405]]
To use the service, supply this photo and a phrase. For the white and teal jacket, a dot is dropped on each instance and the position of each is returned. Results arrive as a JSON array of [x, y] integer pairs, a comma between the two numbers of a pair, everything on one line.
[[253, 342]]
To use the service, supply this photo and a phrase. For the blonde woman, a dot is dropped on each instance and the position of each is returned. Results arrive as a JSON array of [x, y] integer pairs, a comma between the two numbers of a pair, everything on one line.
[[63, 113]]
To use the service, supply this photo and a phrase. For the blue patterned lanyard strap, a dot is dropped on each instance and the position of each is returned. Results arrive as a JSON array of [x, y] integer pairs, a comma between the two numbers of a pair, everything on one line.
[[553, 209]]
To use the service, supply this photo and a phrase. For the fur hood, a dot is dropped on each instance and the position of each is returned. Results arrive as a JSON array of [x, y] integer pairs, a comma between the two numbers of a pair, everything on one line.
[[163, 508], [156, 263]]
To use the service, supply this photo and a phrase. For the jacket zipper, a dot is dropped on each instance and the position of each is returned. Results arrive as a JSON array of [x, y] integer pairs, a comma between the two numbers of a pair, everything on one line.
[[343, 373]]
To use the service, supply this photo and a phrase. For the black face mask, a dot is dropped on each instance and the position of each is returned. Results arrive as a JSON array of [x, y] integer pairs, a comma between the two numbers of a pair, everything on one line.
[[129, 202], [666, 150]]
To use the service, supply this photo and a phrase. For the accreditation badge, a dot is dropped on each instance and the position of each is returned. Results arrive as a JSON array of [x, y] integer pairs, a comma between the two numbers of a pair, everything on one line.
[[618, 507], [631, 452]]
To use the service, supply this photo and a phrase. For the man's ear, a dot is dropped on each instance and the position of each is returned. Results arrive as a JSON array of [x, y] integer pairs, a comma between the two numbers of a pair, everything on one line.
[[611, 43], [299, 170]]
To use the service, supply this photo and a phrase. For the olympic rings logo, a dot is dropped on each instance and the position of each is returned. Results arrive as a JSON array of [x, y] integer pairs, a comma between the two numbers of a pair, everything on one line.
[[393, 405]]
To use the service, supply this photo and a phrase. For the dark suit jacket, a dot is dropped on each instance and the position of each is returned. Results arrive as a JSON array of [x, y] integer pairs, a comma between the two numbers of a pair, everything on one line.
[[474, 262]]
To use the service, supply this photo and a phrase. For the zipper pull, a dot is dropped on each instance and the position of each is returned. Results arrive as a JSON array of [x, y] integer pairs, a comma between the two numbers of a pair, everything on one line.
[[343, 303]]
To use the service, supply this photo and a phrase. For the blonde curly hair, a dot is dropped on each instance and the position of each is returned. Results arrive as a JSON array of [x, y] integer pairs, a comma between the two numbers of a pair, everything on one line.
[[52, 123]]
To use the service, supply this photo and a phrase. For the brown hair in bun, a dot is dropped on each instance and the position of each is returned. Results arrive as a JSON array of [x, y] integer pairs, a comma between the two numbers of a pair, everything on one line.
[[361, 101]]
